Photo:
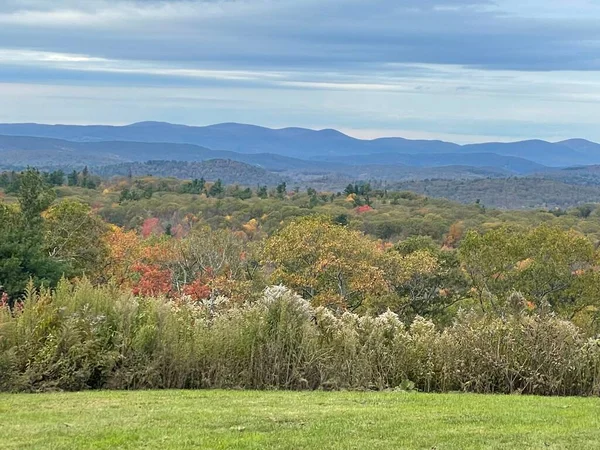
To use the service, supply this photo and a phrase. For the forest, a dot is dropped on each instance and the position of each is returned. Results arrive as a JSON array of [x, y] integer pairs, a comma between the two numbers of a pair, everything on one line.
[[147, 282]]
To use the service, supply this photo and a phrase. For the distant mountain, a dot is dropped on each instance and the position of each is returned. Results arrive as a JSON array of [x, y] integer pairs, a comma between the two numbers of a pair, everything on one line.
[[581, 146], [538, 151], [22, 151], [305, 144]]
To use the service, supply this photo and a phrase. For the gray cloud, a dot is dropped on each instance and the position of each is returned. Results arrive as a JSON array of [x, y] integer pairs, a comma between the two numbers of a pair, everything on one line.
[[306, 33]]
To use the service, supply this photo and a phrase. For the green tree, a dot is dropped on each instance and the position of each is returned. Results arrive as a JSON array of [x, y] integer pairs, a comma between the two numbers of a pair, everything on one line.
[[350, 190], [34, 197], [22, 255], [75, 236], [542, 263], [73, 178], [281, 189], [262, 192], [55, 178], [216, 189], [196, 186]]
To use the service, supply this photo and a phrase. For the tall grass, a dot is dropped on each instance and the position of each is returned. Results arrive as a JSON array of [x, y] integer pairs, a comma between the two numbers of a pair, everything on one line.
[[84, 337]]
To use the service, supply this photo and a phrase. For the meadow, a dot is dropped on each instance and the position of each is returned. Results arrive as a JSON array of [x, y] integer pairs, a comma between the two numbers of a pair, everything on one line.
[[217, 419]]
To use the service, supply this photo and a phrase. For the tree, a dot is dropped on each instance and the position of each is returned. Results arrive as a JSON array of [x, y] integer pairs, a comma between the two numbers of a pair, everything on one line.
[[216, 189], [196, 186], [219, 260], [151, 226], [73, 178], [281, 189], [350, 190], [542, 263], [428, 293], [584, 211], [342, 219], [454, 234], [262, 192], [55, 178], [85, 173], [124, 251], [75, 235], [34, 197], [10, 182], [22, 255], [325, 262]]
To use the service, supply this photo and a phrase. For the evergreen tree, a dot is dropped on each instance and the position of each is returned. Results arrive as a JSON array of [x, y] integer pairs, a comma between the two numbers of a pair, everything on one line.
[[73, 178], [281, 189], [262, 192], [22, 255], [216, 189]]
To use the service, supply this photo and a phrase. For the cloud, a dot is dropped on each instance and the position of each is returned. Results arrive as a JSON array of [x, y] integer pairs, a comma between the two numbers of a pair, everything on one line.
[[422, 65], [301, 33]]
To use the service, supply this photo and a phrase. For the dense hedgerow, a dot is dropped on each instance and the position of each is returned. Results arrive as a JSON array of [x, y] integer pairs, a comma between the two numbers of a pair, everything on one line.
[[83, 337]]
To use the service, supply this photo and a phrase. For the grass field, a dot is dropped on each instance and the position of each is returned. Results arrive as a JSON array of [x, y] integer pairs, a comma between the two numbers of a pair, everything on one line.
[[294, 420]]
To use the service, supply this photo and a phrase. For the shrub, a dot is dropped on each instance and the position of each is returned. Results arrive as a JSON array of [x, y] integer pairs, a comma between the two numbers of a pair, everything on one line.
[[84, 337]]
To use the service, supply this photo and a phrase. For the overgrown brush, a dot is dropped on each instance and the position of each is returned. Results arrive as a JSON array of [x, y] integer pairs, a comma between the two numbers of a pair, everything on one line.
[[84, 337]]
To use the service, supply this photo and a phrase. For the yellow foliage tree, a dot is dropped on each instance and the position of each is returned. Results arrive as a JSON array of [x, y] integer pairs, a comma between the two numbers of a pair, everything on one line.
[[333, 265]]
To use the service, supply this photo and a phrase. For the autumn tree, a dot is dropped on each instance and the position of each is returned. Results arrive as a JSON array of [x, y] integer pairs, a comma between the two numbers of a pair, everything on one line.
[[124, 252], [325, 262], [215, 262]]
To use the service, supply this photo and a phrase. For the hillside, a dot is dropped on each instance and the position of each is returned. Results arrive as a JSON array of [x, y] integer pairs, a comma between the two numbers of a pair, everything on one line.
[[509, 164], [228, 171], [507, 193], [581, 176]]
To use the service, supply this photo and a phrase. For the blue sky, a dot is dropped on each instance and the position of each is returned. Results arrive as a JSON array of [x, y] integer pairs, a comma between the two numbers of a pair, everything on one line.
[[460, 70]]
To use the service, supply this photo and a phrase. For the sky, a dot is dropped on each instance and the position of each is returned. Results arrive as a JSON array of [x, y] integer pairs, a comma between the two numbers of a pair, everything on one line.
[[457, 70]]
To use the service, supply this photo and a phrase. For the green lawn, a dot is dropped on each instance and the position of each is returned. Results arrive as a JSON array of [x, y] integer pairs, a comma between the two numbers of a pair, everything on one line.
[[294, 420]]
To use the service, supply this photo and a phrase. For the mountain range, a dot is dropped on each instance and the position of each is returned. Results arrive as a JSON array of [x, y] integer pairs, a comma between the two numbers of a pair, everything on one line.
[[323, 145], [299, 155]]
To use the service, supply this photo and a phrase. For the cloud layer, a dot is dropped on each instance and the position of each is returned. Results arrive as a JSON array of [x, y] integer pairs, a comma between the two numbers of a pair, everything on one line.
[[471, 68]]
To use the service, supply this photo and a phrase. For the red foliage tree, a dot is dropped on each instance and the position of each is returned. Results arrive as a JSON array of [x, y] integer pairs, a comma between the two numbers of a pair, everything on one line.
[[152, 280], [197, 289], [151, 226]]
